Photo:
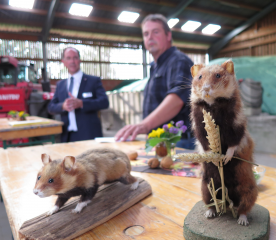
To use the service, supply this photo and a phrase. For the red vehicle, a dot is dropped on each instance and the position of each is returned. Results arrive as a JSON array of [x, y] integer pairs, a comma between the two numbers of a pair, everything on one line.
[[19, 89]]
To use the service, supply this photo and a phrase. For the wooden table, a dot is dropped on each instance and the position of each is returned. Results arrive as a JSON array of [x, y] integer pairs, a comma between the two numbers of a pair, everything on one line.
[[48, 127], [161, 214]]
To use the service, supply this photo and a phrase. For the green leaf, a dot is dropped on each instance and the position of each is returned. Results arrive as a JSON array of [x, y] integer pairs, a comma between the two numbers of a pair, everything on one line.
[[154, 141], [174, 139], [148, 149], [163, 135]]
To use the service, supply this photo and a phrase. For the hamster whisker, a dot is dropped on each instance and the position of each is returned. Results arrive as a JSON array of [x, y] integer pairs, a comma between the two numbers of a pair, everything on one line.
[[183, 87], [190, 80]]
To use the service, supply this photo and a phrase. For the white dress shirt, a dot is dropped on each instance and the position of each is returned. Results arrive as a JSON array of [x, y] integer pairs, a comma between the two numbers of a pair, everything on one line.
[[71, 115]]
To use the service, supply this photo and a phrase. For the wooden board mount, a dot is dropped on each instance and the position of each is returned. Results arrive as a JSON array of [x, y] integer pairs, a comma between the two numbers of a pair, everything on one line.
[[109, 201]]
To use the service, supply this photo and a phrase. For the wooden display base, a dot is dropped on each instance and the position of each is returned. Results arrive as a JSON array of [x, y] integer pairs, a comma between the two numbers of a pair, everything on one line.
[[109, 201], [197, 226]]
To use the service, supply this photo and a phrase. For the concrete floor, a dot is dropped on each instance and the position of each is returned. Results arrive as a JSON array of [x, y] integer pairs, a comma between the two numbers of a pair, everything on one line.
[[5, 231]]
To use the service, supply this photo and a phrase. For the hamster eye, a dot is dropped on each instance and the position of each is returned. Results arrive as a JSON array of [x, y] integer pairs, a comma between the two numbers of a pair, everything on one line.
[[38, 177], [218, 75], [51, 180], [200, 77]]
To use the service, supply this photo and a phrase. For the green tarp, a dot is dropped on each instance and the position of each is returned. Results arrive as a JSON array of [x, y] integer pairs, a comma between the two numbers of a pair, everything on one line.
[[136, 86], [261, 69]]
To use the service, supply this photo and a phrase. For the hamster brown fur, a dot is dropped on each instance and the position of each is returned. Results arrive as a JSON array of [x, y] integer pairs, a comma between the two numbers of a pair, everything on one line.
[[215, 89], [82, 175]]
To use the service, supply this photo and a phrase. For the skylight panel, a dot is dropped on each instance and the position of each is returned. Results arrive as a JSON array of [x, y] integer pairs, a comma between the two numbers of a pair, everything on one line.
[[172, 22], [22, 4], [128, 17], [211, 29], [190, 26], [82, 10]]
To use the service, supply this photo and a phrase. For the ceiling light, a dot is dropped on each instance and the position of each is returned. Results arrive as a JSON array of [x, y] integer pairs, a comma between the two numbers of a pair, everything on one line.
[[129, 17], [82, 10], [22, 4], [211, 28], [190, 26], [172, 22]]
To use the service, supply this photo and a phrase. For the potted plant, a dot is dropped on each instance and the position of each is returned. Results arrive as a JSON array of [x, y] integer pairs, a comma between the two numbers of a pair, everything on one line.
[[20, 116], [165, 138]]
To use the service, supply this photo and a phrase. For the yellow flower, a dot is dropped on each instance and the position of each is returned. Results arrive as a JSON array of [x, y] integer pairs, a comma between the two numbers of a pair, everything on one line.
[[152, 134], [20, 114], [170, 125], [159, 131], [156, 133]]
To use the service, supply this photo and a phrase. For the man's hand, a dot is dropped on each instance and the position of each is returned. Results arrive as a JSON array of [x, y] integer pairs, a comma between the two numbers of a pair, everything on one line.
[[132, 130], [72, 103]]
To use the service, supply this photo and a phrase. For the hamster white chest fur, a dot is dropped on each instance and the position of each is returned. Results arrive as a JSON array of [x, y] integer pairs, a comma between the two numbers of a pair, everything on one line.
[[82, 175], [215, 89]]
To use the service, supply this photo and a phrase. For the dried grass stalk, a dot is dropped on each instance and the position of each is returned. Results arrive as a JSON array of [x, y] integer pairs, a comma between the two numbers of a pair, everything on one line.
[[199, 158], [212, 132]]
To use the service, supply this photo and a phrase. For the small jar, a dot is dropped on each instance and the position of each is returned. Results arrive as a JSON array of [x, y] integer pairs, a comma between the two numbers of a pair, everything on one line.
[[160, 150]]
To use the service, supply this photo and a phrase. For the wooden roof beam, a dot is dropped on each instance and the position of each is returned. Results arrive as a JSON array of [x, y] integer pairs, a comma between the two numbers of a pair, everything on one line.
[[238, 4], [215, 12], [179, 8], [194, 8]]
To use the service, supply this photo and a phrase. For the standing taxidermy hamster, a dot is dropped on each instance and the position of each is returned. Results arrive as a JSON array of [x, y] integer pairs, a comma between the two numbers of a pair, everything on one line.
[[215, 89], [82, 176]]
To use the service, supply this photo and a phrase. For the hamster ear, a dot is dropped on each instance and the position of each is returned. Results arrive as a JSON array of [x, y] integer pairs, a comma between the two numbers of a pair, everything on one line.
[[45, 159], [228, 66], [68, 163], [195, 69]]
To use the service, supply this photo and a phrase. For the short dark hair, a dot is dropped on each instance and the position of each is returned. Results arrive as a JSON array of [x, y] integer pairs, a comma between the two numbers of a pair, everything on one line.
[[62, 56], [158, 18]]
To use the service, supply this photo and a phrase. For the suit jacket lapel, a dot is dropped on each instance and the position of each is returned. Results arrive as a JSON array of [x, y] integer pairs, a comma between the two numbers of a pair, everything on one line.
[[82, 85], [64, 89]]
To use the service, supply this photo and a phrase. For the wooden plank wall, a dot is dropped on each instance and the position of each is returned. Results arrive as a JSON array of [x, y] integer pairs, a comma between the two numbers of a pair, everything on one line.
[[259, 40]]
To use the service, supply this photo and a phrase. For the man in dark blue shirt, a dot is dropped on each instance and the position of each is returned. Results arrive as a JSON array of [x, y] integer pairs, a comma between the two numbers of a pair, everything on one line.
[[166, 95]]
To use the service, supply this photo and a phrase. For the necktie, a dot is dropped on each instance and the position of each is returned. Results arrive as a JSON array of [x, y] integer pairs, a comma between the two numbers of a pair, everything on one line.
[[71, 85]]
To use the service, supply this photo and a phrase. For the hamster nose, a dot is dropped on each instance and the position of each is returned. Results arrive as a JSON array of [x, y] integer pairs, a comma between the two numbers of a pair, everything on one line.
[[206, 87], [35, 191]]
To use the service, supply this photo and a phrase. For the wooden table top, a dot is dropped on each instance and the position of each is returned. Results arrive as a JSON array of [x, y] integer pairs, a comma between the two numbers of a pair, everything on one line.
[[47, 127], [4, 124], [161, 215]]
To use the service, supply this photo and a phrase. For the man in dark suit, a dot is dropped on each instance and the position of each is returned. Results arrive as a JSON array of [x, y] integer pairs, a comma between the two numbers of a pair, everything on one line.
[[78, 99]]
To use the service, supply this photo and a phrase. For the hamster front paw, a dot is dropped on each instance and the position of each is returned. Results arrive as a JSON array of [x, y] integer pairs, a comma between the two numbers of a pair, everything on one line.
[[52, 211], [243, 220], [135, 185], [229, 154], [210, 213], [80, 206]]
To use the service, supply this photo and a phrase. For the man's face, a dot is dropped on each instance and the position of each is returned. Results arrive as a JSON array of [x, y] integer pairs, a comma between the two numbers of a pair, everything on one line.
[[155, 39], [71, 61]]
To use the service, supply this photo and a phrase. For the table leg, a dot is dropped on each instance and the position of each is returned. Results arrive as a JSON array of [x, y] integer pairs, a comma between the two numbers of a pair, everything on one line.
[[5, 144], [53, 139]]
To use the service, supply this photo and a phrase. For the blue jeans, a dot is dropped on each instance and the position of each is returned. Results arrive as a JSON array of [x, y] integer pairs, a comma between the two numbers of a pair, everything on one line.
[[188, 143]]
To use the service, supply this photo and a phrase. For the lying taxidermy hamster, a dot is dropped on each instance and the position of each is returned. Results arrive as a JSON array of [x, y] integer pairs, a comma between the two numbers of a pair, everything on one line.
[[215, 89], [82, 175]]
